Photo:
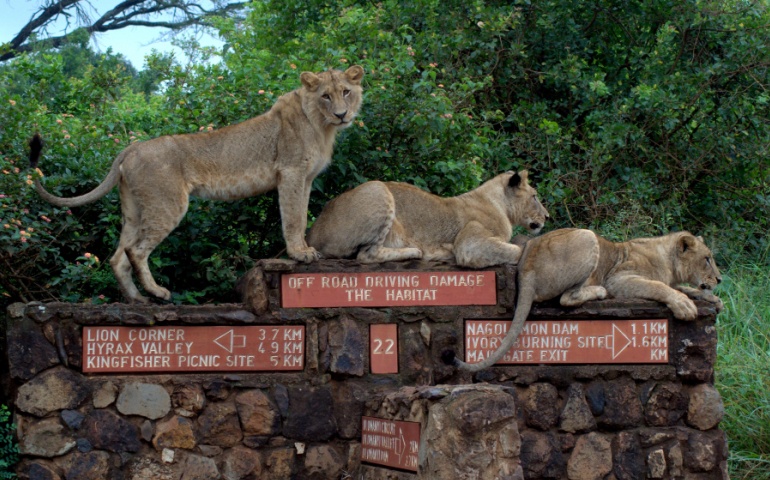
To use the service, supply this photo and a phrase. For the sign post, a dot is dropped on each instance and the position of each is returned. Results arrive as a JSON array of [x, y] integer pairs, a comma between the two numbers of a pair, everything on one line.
[[388, 289], [571, 341], [193, 349]]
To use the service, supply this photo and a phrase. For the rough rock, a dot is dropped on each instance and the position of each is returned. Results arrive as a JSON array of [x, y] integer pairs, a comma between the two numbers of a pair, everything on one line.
[[576, 415], [706, 409], [72, 418], [46, 438], [143, 468], [188, 397], [541, 456], [107, 431], [90, 466], [197, 467], [628, 456], [219, 425], [472, 434], [279, 464], [348, 408], [310, 416], [258, 415], [238, 462], [29, 353], [105, 394], [540, 403], [144, 399], [666, 405], [344, 352], [591, 458], [323, 462], [622, 407], [39, 470], [55, 389], [176, 432], [702, 453]]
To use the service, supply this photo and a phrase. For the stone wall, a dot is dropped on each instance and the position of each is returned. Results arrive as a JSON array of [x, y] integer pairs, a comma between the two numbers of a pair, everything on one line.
[[537, 421]]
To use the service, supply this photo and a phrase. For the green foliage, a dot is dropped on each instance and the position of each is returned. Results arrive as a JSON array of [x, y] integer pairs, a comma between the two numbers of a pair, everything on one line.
[[743, 368], [9, 451]]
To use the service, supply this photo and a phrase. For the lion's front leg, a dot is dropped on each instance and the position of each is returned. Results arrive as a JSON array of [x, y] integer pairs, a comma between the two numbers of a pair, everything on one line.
[[705, 295], [293, 199], [476, 247], [636, 286]]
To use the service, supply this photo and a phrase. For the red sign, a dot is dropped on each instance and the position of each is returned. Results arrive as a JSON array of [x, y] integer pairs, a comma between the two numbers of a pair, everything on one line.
[[383, 289], [392, 443], [383, 348], [571, 341], [193, 349]]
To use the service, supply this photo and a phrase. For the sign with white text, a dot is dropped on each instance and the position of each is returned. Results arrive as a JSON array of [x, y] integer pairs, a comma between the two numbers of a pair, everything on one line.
[[383, 348], [391, 443], [193, 349], [388, 289], [571, 341]]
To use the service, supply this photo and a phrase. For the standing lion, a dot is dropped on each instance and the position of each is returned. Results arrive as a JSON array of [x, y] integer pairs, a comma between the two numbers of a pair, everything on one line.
[[284, 148]]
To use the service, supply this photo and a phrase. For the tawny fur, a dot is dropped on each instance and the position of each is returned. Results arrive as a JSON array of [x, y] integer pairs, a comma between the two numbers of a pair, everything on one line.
[[389, 221], [284, 148], [582, 266]]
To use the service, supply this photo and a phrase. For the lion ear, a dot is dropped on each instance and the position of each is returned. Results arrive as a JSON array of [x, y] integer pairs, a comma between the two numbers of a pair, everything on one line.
[[354, 74], [685, 242], [310, 80], [517, 179]]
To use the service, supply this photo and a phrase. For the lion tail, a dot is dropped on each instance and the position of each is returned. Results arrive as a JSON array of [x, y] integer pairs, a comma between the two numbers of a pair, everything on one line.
[[36, 147], [523, 306]]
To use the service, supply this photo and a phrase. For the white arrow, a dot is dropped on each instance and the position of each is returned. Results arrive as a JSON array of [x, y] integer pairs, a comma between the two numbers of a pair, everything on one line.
[[229, 339], [614, 341]]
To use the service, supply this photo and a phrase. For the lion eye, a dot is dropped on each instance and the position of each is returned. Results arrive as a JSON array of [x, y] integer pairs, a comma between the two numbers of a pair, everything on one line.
[[346, 93], [326, 96]]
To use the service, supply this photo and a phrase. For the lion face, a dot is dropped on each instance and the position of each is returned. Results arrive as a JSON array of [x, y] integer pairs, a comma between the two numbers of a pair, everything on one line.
[[696, 264], [524, 204], [335, 95]]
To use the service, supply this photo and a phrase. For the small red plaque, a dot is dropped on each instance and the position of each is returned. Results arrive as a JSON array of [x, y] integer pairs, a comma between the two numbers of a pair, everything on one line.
[[382, 289], [383, 348], [193, 349], [571, 341], [392, 443]]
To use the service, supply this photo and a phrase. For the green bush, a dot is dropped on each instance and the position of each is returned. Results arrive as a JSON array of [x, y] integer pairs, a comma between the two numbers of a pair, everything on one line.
[[9, 451]]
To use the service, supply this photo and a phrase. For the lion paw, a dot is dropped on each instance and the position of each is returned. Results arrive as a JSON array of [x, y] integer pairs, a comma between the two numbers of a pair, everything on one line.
[[718, 304], [305, 255], [683, 308], [161, 293]]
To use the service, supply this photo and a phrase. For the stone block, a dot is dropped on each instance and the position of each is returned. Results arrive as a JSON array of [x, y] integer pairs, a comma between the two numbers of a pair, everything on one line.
[[52, 390], [144, 399], [107, 431], [310, 416]]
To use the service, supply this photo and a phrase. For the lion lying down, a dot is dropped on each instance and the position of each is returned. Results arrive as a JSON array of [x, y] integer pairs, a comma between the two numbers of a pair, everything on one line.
[[580, 266], [388, 221]]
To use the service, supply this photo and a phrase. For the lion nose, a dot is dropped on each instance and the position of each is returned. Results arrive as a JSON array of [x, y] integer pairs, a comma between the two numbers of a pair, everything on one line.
[[719, 280], [341, 116], [534, 226]]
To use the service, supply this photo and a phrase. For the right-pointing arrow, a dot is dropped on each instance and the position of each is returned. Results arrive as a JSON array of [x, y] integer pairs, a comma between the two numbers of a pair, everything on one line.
[[615, 341]]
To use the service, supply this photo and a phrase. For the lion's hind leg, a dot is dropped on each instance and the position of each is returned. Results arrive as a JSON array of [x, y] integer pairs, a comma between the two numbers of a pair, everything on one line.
[[378, 254], [357, 224], [580, 295], [157, 220]]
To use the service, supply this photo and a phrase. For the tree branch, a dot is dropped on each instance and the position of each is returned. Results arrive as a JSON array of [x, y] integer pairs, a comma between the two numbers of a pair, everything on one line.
[[128, 13]]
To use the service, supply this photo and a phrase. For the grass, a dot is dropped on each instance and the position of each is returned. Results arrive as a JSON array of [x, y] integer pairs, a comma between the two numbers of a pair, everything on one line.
[[743, 368]]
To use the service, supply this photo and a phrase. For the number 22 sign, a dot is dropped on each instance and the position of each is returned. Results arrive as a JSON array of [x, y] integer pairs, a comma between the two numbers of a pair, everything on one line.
[[383, 348]]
